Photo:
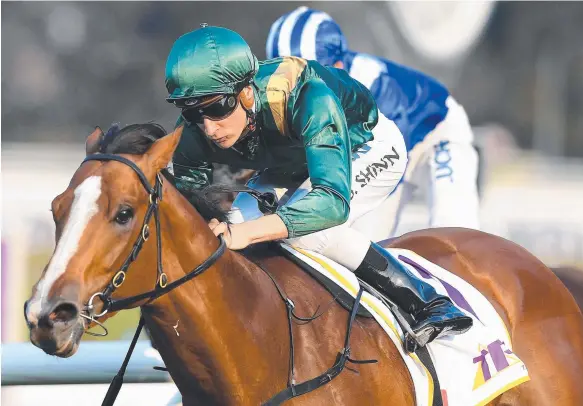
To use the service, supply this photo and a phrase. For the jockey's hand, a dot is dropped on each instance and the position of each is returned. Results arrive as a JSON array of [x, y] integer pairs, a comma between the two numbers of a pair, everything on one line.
[[235, 237], [239, 236]]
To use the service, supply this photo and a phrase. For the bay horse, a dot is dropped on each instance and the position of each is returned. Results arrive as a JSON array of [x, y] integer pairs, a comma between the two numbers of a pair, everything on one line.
[[224, 334]]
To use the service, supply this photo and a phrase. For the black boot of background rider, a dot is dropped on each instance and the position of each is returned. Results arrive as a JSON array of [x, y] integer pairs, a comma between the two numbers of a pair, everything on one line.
[[434, 315]]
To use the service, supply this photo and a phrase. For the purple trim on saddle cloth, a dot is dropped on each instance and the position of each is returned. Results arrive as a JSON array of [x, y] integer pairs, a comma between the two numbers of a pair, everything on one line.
[[485, 368], [453, 293], [497, 353]]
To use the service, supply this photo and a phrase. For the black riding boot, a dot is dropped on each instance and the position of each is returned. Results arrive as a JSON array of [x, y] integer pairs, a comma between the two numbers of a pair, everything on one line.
[[434, 315]]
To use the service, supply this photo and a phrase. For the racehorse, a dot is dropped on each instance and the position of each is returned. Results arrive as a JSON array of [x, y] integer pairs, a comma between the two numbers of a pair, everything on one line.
[[224, 333]]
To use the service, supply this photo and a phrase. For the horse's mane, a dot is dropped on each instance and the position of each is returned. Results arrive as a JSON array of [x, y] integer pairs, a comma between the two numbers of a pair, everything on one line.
[[136, 139]]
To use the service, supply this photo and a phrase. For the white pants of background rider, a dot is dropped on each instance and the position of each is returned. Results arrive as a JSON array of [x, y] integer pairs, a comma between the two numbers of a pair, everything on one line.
[[377, 168], [445, 166]]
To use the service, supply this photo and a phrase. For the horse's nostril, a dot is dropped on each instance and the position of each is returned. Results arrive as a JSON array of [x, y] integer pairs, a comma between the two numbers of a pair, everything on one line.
[[64, 312]]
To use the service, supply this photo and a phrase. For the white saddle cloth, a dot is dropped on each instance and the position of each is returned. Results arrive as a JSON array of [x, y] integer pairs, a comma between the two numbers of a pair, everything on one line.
[[473, 368]]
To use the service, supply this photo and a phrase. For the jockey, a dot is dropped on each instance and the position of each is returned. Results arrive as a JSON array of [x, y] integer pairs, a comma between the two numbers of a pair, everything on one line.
[[298, 121], [436, 129]]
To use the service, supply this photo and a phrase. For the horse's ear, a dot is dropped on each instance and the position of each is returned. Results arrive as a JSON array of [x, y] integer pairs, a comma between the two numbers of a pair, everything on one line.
[[93, 142], [160, 153]]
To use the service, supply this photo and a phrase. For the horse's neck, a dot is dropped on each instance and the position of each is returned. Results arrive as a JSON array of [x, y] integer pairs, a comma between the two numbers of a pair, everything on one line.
[[204, 329]]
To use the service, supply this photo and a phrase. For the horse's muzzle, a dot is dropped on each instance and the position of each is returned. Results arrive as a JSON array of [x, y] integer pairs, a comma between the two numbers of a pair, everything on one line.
[[58, 328]]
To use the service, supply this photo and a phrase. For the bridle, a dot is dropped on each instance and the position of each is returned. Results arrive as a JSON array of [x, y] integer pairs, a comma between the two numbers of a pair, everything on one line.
[[162, 286]]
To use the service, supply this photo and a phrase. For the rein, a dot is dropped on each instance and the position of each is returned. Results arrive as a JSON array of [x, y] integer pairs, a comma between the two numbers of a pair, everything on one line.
[[162, 287]]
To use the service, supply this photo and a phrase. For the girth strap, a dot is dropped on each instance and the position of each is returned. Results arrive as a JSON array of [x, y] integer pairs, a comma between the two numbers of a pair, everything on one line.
[[425, 358]]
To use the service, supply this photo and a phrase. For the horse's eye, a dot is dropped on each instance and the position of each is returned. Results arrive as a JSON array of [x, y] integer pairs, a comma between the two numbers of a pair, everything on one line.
[[124, 215]]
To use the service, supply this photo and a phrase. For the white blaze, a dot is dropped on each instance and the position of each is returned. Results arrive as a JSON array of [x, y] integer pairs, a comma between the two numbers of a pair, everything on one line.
[[84, 207]]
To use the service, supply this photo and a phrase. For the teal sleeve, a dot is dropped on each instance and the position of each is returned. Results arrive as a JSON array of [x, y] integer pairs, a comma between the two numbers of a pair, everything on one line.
[[318, 118], [191, 171]]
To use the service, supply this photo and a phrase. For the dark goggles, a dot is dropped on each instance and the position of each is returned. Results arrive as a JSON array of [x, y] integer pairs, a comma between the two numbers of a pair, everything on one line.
[[214, 108]]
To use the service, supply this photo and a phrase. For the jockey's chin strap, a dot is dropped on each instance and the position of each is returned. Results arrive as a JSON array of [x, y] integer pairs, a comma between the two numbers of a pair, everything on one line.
[[251, 122], [248, 142], [251, 112]]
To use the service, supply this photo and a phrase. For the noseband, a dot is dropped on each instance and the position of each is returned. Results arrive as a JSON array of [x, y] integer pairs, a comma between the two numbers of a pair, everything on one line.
[[162, 286]]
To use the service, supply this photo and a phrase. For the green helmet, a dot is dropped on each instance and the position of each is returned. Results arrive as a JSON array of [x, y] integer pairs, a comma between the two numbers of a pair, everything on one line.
[[210, 60]]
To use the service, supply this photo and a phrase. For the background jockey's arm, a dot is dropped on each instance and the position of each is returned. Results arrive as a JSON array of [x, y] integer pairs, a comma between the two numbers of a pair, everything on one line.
[[391, 101], [388, 96], [318, 118]]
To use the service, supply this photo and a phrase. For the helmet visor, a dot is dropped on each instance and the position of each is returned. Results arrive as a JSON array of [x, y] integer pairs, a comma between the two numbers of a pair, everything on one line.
[[214, 108]]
